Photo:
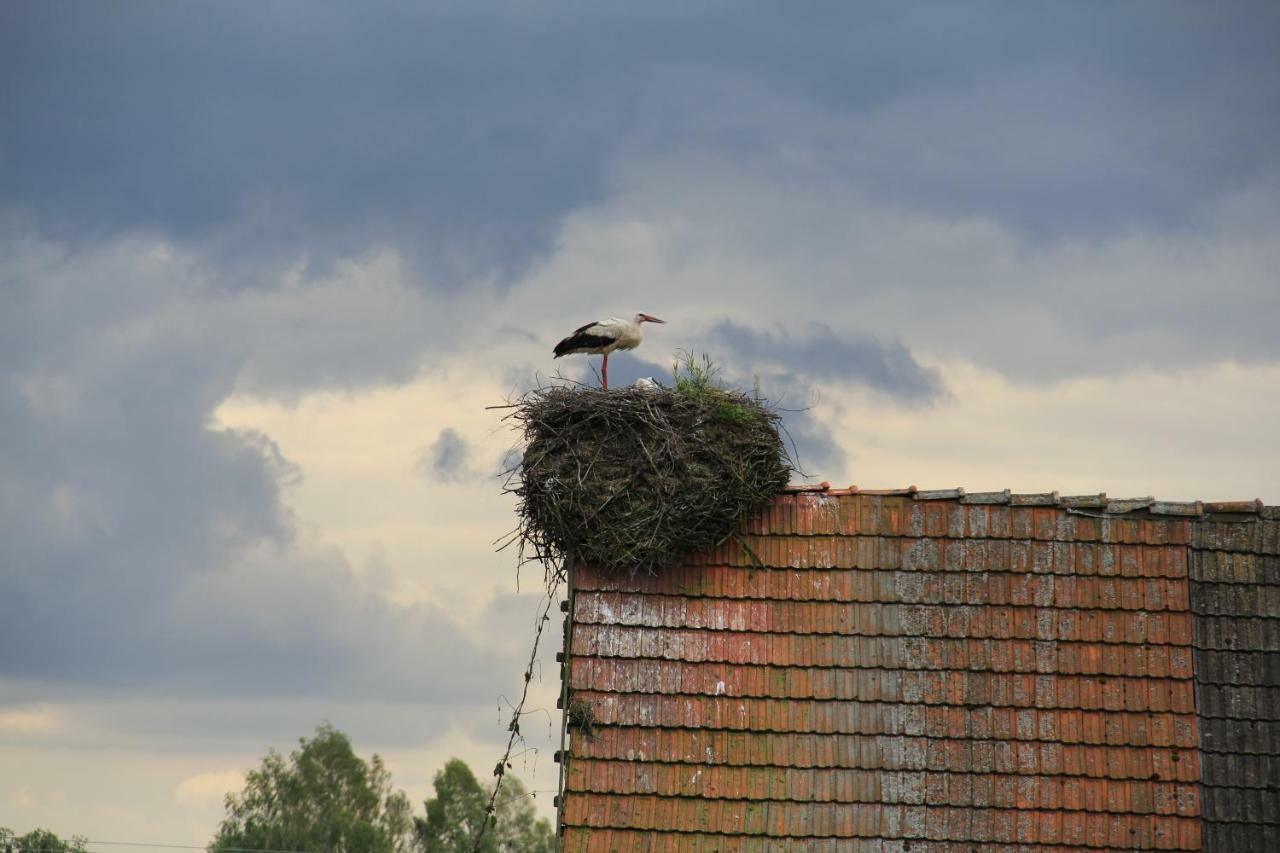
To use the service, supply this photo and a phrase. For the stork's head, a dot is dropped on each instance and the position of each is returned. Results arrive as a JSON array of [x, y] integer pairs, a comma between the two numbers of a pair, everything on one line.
[[647, 318]]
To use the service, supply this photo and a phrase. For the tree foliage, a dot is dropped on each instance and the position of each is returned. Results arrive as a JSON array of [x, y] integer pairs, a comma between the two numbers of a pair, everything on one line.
[[322, 798], [457, 813], [39, 841]]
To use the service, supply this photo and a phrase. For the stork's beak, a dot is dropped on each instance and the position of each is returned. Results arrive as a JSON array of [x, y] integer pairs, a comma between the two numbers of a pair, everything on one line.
[[650, 318]]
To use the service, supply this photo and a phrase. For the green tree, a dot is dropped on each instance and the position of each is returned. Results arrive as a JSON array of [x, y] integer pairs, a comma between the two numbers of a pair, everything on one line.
[[323, 798], [457, 813], [518, 828], [39, 841]]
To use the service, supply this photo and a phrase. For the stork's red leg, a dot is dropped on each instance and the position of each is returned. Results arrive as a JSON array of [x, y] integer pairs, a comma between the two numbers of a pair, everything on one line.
[[604, 373]]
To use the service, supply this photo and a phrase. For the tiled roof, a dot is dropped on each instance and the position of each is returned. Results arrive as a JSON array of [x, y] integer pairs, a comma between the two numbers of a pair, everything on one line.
[[1235, 604], [905, 669]]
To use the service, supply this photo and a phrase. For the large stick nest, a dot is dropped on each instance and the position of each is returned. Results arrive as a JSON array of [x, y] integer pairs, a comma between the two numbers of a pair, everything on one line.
[[635, 479]]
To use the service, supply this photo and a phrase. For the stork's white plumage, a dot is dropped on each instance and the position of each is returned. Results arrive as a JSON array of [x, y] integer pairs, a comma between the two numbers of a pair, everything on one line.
[[603, 337]]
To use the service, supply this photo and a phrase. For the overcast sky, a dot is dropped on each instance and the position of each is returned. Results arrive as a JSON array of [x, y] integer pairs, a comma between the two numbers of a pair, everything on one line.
[[263, 265]]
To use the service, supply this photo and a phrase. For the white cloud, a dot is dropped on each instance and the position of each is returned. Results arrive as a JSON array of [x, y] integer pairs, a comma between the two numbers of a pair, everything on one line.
[[361, 489], [1203, 433], [23, 800], [209, 787], [31, 720]]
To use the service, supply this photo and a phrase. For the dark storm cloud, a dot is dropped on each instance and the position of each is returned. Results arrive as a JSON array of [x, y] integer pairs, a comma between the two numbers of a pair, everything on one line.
[[813, 448], [448, 459], [141, 544], [787, 366], [462, 135], [818, 352]]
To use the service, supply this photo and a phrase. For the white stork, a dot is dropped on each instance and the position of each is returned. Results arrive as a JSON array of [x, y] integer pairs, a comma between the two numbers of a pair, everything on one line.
[[603, 337]]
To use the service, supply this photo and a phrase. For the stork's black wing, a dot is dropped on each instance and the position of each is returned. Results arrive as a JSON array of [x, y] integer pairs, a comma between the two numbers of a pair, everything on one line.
[[583, 341]]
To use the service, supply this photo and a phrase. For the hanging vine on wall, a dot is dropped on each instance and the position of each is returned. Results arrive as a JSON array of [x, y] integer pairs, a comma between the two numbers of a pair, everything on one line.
[[515, 735]]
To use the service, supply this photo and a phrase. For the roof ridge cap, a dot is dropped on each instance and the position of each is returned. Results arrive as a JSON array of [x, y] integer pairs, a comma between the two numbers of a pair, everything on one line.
[[1099, 502]]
